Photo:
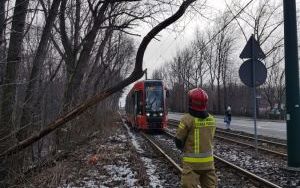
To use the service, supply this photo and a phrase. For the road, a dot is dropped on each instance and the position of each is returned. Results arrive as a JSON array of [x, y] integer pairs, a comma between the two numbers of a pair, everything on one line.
[[275, 129]]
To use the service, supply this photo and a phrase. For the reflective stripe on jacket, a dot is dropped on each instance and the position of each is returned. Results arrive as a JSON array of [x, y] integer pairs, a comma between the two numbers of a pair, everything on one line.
[[197, 135]]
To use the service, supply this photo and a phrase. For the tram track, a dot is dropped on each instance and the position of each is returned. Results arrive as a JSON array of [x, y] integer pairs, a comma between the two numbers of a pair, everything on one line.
[[266, 164], [162, 152], [244, 141], [248, 174]]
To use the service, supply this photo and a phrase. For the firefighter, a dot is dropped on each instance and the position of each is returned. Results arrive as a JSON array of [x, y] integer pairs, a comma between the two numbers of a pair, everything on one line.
[[194, 136]]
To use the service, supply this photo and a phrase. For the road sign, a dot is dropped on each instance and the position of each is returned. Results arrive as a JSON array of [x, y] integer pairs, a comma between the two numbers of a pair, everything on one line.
[[246, 74], [252, 50], [253, 73]]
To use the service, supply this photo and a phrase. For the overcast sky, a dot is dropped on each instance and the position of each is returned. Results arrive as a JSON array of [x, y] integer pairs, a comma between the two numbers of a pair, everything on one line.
[[170, 42]]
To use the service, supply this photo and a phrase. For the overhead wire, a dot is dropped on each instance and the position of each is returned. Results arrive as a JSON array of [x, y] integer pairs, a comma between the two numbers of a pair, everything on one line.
[[215, 35], [176, 37], [224, 27]]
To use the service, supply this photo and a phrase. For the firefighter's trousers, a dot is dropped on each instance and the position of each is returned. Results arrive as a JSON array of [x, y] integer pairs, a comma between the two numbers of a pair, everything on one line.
[[197, 178]]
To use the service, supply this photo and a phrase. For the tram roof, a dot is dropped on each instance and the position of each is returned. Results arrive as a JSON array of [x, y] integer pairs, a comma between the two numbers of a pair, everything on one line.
[[140, 83]]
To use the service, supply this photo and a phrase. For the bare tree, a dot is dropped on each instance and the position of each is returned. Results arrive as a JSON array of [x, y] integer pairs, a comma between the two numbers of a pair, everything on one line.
[[102, 15], [274, 88], [223, 43], [160, 74], [265, 21], [136, 74], [37, 64], [201, 60], [9, 83], [180, 69]]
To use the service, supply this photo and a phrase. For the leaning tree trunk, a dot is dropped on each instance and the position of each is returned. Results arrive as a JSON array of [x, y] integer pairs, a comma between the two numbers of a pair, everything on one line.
[[135, 75]]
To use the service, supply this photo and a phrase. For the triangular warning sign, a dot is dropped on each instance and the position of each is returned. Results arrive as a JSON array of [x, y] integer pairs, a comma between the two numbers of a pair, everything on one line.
[[254, 51]]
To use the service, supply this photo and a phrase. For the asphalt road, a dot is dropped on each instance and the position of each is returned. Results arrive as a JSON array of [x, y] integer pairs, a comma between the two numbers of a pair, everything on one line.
[[275, 129]]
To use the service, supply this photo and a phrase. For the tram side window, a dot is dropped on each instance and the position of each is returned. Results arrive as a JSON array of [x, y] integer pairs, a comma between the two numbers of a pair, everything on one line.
[[132, 104], [138, 102]]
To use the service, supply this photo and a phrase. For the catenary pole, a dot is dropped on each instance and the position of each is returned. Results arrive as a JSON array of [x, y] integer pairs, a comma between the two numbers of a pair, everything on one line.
[[292, 83]]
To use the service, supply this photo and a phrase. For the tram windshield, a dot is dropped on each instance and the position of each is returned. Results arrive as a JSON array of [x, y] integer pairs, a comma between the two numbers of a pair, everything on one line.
[[154, 98]]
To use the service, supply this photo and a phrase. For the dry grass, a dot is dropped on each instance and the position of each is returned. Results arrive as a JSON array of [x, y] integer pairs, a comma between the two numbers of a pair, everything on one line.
[[82, 131], [138, 166], [101, 147]]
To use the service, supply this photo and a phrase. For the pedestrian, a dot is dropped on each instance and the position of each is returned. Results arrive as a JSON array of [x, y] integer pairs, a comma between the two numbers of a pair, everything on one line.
[[227, 118], [194, 136]]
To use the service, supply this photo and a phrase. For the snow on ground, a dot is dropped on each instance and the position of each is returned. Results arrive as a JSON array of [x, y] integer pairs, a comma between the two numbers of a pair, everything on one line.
[[117, 171], [150, 168], [121, 173], [118, 158], [154, 180], [134, 140]]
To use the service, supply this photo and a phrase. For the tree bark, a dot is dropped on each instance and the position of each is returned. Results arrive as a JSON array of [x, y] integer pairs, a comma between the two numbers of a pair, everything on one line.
[[77, 72], [135, 75], [37, 64], [2, 47], [9, 87]]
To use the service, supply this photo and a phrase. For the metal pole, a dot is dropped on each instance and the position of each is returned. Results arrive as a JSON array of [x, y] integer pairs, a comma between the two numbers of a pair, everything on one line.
[[254, 95], [292, 83], [146, 74]]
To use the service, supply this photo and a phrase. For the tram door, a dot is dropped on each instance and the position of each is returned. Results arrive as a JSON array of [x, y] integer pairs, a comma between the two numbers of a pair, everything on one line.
[[138, 103], [137, 106]]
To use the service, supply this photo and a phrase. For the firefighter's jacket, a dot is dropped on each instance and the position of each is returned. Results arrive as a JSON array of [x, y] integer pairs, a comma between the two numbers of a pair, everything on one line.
[[197, 134]]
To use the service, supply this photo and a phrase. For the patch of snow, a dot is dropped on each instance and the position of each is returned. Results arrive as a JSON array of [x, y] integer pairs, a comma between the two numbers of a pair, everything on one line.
[[89, 183], [121, 173], [154, 180], [150, 168], [134, 140], [122, 136], [234, 157]]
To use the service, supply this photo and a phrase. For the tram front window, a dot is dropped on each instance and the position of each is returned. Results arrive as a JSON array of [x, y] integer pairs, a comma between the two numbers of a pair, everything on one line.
[[154, 100]]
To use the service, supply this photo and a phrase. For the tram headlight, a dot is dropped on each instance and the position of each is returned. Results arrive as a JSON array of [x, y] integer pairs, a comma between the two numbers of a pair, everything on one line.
[[161, 114], [147, 114]]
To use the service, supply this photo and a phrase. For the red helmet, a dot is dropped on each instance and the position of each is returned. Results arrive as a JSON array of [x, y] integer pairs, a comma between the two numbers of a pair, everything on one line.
[[197, 99]]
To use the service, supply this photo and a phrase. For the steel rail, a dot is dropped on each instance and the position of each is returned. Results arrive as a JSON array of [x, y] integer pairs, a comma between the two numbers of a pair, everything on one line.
[[249, 137], [260, 179], [244, 171], [159, 149], [252, 146], [163, 153], [168, 133], [172, 122]]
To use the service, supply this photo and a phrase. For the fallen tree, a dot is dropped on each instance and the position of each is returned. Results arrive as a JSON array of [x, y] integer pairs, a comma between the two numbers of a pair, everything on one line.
[[135, 75]]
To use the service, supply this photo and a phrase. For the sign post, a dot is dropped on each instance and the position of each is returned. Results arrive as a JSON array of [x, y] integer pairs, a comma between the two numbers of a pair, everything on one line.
[[292, 84], [254, 95], [253, 73]]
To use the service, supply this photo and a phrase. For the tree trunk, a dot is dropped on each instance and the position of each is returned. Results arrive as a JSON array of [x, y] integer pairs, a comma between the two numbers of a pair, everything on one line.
[[74, 82], [9, 87], [135, 75], [37, 64], [2, 46]]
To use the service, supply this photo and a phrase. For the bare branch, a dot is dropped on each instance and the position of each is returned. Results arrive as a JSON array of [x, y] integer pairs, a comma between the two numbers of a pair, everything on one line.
[[135, 75]]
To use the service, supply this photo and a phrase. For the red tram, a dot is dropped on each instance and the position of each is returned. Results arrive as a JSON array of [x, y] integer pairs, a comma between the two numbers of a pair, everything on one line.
[[146, 105]]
